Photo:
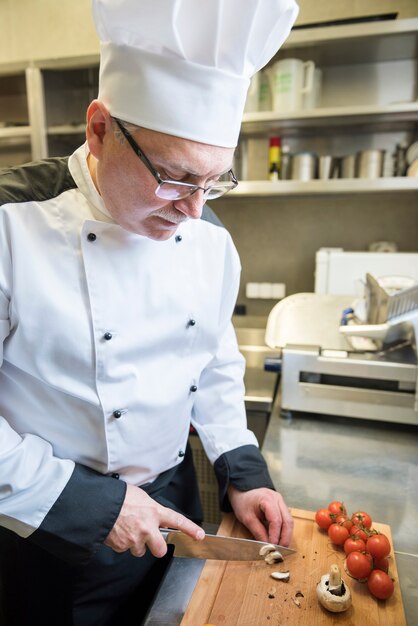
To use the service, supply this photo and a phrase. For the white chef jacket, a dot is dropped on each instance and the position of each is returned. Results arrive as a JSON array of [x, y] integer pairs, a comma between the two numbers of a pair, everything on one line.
[[111, 344]]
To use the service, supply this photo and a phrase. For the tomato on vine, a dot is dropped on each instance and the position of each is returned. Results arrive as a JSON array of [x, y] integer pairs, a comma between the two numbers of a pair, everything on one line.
[[337, 508], [382, 564], [338, 534], [323, 518], [378, 545], [343, 520], [362, 519], [354, 544], [359, 564], [357, 531], [380, 584]]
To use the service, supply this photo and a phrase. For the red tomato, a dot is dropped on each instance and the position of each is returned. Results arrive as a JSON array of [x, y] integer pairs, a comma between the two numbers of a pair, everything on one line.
[[380, 584], [338, 534], [342, 520], [359, 564], [362, 519], [353, 544], [323, 518], [337, 507], [378, 545], [382, 564], [356, 531]]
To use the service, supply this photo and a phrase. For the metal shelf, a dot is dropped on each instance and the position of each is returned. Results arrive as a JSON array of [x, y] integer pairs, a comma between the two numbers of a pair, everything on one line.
[[264, 188], [402, 115], [368, 42], [11, 132], [67, 129]]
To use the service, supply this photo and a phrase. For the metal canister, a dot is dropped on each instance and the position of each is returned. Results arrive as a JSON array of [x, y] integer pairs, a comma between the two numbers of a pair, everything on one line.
[[304, 166], [370, 163]]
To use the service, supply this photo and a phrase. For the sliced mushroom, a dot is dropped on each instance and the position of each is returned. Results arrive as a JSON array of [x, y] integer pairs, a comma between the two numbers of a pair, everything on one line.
[[332, 592], [273, 557], [266, 548], [283, 576]]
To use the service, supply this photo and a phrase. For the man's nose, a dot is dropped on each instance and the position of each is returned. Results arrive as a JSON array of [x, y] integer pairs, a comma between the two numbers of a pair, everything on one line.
[[191, 206]]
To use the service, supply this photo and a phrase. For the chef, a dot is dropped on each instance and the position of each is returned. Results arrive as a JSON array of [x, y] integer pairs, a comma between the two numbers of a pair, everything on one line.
[[117, 287]]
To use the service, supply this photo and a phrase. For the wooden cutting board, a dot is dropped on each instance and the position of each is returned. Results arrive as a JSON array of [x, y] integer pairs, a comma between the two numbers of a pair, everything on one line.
[[238, 593]]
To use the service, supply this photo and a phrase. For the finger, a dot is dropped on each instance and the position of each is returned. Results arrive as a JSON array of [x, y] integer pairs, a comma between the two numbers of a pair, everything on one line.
[[178, 521], [273, 518], [286, 531], [138, 552], [157, 544], [257, 528]]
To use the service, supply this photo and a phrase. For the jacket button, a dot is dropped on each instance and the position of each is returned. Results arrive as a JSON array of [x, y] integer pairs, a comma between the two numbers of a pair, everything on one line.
[[181, 453], [91, 237], [117, 414], [193, 388], [191, 323], [107, 336], [178, 238], [115, 475]]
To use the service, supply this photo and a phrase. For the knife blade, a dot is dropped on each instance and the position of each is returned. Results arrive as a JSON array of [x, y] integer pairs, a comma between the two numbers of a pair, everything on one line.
[[218, 547]]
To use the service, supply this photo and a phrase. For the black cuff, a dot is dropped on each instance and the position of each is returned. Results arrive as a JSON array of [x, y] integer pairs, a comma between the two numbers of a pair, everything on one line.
[[243, 468], [82, 517]]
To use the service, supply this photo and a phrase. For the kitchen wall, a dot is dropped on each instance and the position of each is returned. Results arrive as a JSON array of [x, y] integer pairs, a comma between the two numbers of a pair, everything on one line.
[[312, 11], [277, 237], [40, 29]]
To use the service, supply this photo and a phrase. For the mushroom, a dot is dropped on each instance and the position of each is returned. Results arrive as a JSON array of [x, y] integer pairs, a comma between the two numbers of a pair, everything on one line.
[[332, 592], [284, 576], [266, 548], [273, 557]]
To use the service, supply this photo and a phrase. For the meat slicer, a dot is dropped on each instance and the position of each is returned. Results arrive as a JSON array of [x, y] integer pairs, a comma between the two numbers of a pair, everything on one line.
[[348, 358]]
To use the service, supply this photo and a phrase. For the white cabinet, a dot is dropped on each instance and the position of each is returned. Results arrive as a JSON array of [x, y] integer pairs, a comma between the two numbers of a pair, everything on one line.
[[15, 130], [369, 100], [43, 108]]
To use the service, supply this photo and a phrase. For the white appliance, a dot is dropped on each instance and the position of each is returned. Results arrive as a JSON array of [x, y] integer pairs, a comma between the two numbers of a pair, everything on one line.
[[342, 272], [321, 370]]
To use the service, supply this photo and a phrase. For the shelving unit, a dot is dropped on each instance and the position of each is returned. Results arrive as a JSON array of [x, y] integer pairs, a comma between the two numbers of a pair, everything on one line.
[[353, 116], [394, 117], [43, 104], [43, 107], [321, 187]]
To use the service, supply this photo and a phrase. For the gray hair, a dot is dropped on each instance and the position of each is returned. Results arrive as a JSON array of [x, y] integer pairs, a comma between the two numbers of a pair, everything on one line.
[[131, 128]]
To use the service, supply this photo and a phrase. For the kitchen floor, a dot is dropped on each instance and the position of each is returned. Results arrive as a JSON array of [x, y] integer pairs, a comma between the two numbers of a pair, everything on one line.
[[371, 466]]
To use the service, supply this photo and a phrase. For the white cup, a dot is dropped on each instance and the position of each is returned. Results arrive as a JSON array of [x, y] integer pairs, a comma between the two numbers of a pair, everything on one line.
[[290, 80]]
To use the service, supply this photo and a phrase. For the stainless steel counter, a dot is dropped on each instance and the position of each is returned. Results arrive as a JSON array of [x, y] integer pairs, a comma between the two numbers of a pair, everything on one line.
[[371, 466], [313, 460]]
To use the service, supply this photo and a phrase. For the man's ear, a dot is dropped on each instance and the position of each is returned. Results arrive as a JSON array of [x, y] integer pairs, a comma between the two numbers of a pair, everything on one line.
[[98, 124]]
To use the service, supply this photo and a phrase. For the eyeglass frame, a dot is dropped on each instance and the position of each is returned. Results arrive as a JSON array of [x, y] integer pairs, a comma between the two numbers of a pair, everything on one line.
[[193, 188]]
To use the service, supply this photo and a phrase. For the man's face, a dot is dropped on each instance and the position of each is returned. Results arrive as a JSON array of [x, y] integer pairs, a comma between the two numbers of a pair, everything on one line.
[[128, 187]]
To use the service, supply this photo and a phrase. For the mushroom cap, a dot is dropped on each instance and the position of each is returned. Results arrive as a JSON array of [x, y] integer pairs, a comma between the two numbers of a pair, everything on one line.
[[330, 601]]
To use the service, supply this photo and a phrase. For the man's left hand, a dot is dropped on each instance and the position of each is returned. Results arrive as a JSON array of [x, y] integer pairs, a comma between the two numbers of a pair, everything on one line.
[[265, 514]]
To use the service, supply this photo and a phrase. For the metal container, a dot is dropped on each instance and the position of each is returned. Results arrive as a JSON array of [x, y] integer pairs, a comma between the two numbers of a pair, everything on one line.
[[370, 163], [348, 166], [304, 166]]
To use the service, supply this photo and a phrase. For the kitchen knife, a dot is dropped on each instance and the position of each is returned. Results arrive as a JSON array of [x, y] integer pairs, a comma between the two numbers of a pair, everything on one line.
[[217, 547]]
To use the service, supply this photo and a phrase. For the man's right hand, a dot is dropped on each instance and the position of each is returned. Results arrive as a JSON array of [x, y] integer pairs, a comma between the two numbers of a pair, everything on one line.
[[139, 521]]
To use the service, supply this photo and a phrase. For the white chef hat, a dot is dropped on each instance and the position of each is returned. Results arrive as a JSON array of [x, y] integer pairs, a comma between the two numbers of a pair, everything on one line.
[[183, 67]]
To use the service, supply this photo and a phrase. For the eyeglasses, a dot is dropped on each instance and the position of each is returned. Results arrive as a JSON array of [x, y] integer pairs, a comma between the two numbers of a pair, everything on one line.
[[176, 190]]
